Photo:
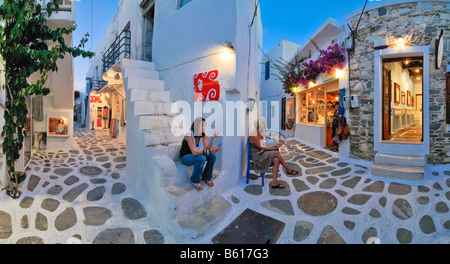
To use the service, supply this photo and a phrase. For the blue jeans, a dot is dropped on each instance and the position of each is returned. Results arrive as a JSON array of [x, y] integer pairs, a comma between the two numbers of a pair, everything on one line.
[[199, 163]]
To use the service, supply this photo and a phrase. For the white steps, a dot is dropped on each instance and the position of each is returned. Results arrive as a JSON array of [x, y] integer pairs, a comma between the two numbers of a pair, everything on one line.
[[143, 73], [138, 64], [143, 108], [155, 122], [160, 137], [198, 211], [399, 167], [401, 161], [145, 84], [150, 96], [186, 210]]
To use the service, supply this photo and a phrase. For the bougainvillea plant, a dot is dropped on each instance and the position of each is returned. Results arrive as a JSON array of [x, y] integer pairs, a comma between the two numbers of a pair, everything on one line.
[[25, 41], [289, 73], [303, 71]]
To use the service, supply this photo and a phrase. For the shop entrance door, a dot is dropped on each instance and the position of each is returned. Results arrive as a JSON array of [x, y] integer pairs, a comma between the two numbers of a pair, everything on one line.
[[332, 100], [402, 105], [386, 103]]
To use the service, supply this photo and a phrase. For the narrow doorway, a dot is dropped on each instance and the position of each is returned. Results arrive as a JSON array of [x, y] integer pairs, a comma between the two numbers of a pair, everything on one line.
[[403, 100], [148, 7], [332, 106]]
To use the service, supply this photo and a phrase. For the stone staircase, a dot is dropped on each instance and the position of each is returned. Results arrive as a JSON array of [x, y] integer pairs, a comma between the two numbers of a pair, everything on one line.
[[399, 167], [190, 213]]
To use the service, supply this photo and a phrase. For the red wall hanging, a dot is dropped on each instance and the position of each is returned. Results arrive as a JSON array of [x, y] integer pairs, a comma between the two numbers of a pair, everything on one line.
[[206, 86]]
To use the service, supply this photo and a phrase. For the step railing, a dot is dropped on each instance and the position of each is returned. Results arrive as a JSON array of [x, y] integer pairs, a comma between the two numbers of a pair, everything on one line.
[[119, 49]]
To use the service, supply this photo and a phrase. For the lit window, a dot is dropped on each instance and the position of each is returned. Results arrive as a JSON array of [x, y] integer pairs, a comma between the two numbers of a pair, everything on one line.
[[312, 106]]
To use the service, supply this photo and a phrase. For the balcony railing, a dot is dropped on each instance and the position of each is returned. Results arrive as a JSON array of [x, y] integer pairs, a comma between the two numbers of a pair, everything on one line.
[[97, 84], [119, 49], [64, 5]]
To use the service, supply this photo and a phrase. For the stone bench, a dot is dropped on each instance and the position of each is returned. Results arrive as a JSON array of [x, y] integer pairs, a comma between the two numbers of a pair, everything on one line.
[[186, 202]]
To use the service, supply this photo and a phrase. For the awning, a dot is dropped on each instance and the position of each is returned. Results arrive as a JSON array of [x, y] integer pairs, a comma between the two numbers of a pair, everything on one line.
[[112, 88]]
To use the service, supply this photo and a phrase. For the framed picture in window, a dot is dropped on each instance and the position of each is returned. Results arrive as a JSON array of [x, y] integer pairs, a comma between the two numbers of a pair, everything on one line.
[[397, 92], [403, 98], [419, 98], [409, 100], [57, 125]]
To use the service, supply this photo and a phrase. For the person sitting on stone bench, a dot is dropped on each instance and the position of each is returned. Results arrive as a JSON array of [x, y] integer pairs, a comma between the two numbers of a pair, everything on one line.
[[194, 153]]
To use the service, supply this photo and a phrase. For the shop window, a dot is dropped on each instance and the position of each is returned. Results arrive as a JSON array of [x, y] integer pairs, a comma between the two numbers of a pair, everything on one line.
[[312, 106], [58, 126]]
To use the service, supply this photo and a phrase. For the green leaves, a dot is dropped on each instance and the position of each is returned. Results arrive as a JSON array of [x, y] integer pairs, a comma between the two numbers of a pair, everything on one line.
[[24, 48]]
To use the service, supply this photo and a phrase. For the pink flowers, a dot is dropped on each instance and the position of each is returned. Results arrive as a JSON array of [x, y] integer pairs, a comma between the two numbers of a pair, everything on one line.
[[329, 60]]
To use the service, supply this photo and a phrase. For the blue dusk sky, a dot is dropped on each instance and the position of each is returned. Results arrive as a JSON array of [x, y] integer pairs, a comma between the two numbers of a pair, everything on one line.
[[293, 20]]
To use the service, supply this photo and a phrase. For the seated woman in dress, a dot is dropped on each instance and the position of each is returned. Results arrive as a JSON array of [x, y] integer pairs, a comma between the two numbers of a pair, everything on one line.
[[264, 157], [194, 153]]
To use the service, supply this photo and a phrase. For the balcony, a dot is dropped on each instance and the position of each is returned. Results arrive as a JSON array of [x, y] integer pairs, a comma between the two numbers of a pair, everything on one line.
[[66, 9], [97, 84], [119, 49]]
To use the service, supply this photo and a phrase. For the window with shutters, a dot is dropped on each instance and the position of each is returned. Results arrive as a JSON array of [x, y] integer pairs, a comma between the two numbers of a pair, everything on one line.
[[268, 70]]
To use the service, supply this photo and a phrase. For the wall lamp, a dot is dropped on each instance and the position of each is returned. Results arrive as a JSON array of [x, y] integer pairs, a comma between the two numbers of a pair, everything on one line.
[[229, 45], [251, 105]]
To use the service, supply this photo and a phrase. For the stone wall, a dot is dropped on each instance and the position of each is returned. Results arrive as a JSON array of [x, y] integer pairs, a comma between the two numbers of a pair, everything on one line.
[[422, 22]]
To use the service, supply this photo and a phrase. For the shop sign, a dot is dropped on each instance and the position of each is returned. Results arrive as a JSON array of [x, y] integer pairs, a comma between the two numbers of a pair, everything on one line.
[[206, 86], [96, 100]]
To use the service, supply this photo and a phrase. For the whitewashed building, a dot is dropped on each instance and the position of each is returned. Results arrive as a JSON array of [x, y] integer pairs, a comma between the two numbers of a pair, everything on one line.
[[273, 98], [166, 46]]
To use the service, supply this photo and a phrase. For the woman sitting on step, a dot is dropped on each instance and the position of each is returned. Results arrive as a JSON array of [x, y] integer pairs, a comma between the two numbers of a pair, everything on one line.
[[194, 153], [264, 157]]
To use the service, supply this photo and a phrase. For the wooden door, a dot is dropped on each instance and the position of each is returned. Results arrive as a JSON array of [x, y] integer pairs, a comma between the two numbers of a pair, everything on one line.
[[387, 91]]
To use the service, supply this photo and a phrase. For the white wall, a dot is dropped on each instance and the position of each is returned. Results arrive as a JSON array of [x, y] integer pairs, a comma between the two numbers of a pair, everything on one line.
[[272, 89], [185, 45]]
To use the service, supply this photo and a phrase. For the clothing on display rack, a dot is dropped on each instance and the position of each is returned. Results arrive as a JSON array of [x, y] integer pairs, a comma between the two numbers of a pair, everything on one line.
[[105, 112], [38, 107]]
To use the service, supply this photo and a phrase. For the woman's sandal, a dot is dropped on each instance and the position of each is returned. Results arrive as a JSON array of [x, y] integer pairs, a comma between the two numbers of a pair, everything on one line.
[[292, 172], [197, 186], [278, 186], [210, 183]]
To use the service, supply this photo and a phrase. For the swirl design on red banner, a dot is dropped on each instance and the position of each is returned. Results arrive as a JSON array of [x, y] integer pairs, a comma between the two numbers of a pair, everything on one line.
[[206, 86], [96, 100]]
